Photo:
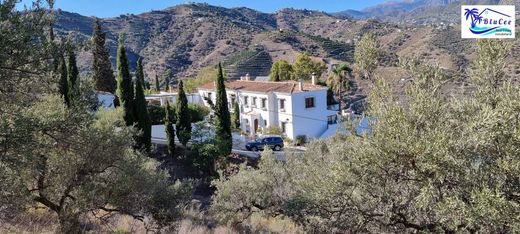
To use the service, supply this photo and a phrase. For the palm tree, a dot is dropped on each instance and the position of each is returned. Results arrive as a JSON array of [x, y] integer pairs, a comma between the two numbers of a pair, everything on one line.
[[338, 80], [473, 13]]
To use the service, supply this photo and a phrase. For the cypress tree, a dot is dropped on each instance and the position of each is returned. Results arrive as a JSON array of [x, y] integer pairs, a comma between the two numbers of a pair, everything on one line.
[[144, 124], [72, 76], [157, 84], [170, 131], [236, 116], [103, 76], [139, 73], [125, 90], [223, 120], [63, 83], [167, 79], [183, 124]]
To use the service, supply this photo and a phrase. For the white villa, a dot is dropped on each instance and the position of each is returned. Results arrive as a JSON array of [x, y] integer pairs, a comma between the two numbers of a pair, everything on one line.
[[297, 108]]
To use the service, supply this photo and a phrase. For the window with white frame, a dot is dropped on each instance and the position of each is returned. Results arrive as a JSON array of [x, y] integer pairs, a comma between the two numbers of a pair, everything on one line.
[[246, 101], [263, 103], [253, 103], [282, 105]]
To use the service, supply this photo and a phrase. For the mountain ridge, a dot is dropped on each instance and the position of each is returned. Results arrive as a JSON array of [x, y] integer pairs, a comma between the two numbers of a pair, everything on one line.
[[189, 37]]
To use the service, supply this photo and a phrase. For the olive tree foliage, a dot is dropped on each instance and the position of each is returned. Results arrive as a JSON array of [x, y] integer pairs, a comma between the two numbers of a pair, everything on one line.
[[367, 55], [305, 66], [73, 163], [281, 71], [69, 160], [239, 196], [433, 163]]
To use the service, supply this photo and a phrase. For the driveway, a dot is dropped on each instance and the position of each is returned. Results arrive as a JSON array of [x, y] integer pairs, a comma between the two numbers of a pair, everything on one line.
[[239, 144]]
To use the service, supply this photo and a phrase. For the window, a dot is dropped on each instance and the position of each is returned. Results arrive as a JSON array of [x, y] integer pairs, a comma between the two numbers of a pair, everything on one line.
[[246, 101], [209, 95], [264, 103], [253, 104], [333, 119], [284, 127], [309, 102], [265, 123], [233, 99], [282, 105]]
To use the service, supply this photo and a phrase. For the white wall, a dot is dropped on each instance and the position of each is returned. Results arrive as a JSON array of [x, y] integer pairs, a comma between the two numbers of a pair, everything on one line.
[[311, 122], [172, 98]]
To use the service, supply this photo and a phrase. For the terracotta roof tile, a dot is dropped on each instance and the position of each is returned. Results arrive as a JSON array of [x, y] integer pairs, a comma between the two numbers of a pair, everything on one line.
[[266, 86]]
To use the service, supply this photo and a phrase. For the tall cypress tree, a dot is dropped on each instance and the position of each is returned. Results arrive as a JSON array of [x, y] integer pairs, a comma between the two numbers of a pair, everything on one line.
[[183, 123], [64, 81], [72, 76], [157, 84], [139, 72], [167, 76], [144, 124], [125, 87], [236, 116], [103, 76], [170, 131], [223, 120]]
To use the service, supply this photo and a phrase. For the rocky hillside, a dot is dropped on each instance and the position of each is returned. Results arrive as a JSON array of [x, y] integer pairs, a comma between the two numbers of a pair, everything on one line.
[[189, 37], [420, 12]]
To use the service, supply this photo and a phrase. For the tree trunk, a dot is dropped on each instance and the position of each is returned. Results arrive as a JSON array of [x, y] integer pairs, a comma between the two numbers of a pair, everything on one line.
[[70, 224], [340, 97]]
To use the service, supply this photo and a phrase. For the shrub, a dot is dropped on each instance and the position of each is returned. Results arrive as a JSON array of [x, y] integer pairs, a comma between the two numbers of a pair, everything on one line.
[[198, 112], [301, 140], [157, 113], [273, 130]]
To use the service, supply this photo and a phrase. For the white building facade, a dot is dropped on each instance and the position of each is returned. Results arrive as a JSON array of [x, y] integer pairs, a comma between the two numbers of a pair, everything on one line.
[[162, 97], [297, 108]]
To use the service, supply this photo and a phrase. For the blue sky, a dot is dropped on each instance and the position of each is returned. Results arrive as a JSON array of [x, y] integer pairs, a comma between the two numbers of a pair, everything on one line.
[[110, 8]]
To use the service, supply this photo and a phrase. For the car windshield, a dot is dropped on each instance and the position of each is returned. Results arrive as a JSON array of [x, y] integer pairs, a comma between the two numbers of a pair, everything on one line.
[[260, 139]]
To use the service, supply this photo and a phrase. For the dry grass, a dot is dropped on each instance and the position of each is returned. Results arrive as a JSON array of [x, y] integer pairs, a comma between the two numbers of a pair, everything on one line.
[[33, 221], [194, 222]]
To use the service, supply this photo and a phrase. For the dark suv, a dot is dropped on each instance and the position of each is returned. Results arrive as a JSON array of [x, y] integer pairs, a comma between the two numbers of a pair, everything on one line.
[[274, 142]]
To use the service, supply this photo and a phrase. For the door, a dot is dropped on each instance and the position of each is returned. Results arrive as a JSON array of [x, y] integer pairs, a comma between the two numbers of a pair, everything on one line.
[[255, 125]]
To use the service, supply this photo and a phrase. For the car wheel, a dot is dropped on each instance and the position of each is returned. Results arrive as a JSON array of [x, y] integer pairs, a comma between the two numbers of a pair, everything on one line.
[[254, 148], [277, 148]]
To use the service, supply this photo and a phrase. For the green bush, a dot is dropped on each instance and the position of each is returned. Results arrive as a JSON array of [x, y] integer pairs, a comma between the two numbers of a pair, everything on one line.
[[301, 139], [157, 113], [198, 112]]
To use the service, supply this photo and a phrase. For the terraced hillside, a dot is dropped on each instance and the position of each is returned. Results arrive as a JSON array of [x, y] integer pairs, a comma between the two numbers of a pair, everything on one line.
[[189, 37], [254, 61]]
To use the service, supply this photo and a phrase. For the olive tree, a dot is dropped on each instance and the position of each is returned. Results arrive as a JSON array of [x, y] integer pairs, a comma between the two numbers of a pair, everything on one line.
[[433, 163], [70, 161]]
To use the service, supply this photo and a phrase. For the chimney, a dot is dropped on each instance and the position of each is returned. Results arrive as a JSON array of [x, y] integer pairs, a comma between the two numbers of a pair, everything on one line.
[[300, 84], [314, 79], [215, 85], [248, 78]]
